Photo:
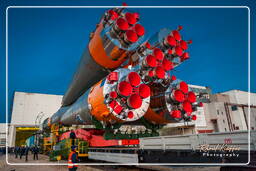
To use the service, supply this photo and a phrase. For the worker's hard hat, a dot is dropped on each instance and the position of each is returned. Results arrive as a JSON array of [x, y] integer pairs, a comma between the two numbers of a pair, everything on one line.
[[73, 147]]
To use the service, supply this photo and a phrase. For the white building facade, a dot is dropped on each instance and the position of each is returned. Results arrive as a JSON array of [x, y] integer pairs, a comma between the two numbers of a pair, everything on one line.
[[30, 110]]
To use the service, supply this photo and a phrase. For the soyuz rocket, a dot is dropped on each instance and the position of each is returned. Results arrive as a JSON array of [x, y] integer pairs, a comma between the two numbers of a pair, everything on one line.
[[123, 78]]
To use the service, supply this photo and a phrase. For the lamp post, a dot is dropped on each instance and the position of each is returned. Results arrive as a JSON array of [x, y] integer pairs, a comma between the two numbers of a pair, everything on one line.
[[38, 121]]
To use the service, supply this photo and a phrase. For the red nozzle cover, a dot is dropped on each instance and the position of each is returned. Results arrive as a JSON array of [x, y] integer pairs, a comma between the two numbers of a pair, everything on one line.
[[158, 54], [167, 65], [134, 78], [176, 114], [183, 87], [194, 117], [160, 72], [173, 78], [191, 97], [144, 91], [113, 94], [139, 29], [176, 35], [134, 101], [113, 14], [171, 41], [151, 61], [183, 45], [185, 56], [187, 107], [124, 88], [131, 19], [178, 50], [179, 96], [131, 36], [122, 24], [130, 114]]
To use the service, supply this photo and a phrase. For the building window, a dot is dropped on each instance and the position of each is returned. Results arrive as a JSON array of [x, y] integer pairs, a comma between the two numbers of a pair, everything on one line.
[[252, 128], [234, 107], [218, 112], [225, 129], [237, 128], [222, 113], [223, 121]]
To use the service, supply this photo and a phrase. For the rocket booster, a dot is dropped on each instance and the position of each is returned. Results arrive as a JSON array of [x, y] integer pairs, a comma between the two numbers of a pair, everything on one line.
[[136, 78], [120, 97], [117, 33]]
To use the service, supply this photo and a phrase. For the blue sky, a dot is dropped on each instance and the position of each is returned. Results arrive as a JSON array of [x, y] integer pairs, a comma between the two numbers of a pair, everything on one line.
[[45, 45]]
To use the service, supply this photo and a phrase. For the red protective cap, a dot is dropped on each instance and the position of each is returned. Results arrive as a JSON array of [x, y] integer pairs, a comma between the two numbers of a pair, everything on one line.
[[122, 24], [183, 45], [169, 51], [147, 45], [176, 35], [139, 29], [130, 114], [180, 27], [131, 36], [191, 97], [173, 78], [134, 101], [112, 104], [113, 94], [194, 117], [178, 96], [150, 73], [113, 14], [134, 78], [178, 50], [118, 109], [176, 114], [113, 76], [124, 88], [183, 87], [171, 41], [136, 15], [187, 107], [131, 18], [151, 61], [201, 104], [185, 56], [124, 4], [144, 91], [167, 65], [158, 54], [160, 72]]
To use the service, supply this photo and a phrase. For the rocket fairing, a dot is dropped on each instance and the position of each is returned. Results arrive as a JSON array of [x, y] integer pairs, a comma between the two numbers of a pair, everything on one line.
[[118, 32], [120, 80]]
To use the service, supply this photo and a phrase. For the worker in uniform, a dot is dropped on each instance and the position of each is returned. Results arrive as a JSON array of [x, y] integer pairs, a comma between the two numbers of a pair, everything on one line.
[[35, 152], [72, 159], [16, 152], [22, 151], [72, 136], [26, 152]]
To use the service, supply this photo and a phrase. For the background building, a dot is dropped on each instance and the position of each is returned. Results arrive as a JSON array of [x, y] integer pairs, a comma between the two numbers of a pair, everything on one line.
[[2, 134], [28, 111]]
